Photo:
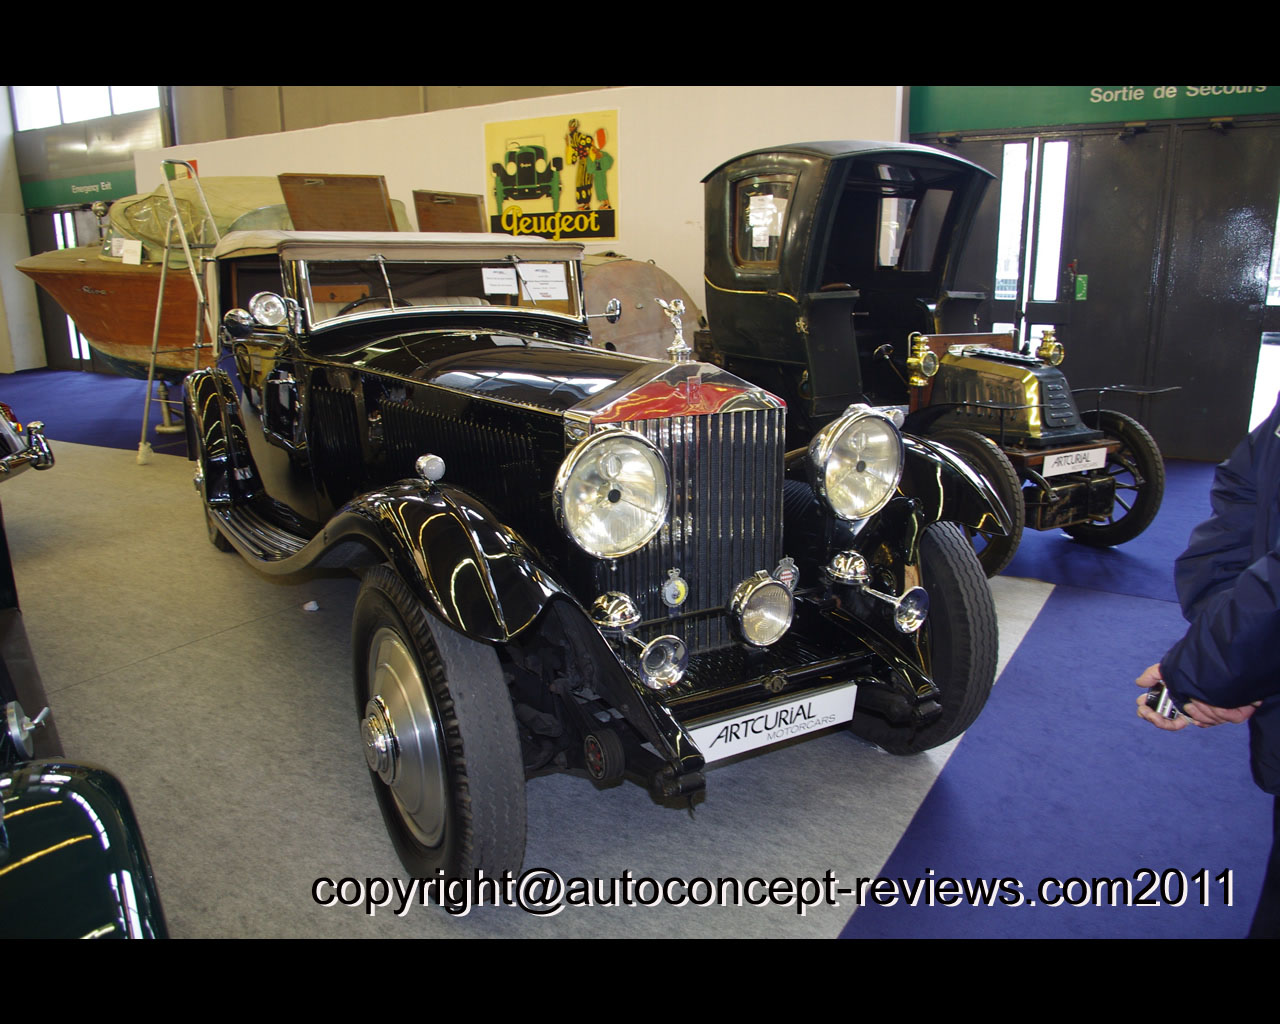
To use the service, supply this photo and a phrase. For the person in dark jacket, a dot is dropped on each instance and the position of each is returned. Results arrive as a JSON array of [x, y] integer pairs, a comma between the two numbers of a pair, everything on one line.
[[1226, 669]]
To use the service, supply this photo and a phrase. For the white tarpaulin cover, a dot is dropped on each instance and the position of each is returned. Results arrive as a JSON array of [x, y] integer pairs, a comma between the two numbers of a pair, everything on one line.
[[236, 203], [407, 246]]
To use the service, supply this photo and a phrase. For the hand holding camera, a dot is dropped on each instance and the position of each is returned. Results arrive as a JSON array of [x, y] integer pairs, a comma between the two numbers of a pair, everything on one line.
[[1167, 711]]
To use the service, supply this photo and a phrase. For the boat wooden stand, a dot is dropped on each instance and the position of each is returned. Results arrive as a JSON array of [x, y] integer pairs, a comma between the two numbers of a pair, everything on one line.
[[204, 316]]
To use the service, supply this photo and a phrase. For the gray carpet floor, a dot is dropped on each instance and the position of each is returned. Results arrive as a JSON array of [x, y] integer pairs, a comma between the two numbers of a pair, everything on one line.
[[226, 708]]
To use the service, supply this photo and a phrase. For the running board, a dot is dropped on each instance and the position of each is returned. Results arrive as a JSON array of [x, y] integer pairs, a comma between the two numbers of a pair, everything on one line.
[[255, 536]]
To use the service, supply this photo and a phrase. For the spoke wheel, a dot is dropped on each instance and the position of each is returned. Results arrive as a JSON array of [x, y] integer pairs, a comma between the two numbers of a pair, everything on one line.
[[994, 550], [959, 643], [1138, 471], [439, 737]]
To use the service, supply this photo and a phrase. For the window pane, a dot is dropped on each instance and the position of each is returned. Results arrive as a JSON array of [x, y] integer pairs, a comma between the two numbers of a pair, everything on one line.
[[1053, 198], [35, 106], [126, 98], [895, 215], [759, 214], [1273, 285], [1013, 183], [926, 228], [81, 102], [1267, 382]]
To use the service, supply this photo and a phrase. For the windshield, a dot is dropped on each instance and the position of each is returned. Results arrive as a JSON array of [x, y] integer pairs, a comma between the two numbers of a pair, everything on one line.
[[888, 219], [342, 288]]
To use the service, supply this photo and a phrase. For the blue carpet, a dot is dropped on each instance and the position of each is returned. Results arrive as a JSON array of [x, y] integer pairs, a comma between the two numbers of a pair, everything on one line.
[[1059, 778], [88, 408], [1144, 566]]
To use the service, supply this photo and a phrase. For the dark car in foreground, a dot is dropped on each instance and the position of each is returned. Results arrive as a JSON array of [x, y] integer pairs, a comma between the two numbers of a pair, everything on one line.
[[829, 267], [571, 559], [21, 448], [72, 860]]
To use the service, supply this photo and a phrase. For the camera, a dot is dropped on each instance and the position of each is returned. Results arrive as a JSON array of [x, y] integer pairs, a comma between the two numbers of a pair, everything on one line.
[[1160, 700]]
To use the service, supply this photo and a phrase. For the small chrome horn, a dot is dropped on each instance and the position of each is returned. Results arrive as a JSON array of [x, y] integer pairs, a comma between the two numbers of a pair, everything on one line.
[[909, 611], [663, 662]]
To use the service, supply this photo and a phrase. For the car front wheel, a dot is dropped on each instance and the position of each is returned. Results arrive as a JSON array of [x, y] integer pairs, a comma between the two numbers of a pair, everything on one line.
[[439, 736], [995, 550], [959, 643], [1138, 472]]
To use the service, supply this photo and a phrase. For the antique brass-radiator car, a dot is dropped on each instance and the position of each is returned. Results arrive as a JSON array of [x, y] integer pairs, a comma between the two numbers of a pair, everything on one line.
[[827, 269]]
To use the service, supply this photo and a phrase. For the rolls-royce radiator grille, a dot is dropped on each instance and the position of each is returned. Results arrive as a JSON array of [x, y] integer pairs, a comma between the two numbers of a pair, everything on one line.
[[725, 522]]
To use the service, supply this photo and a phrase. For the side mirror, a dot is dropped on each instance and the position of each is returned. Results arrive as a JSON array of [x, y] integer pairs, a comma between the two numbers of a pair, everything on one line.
[[612, 311], [238, 323]]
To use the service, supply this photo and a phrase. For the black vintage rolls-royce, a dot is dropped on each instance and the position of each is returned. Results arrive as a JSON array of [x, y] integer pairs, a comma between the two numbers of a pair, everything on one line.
[[571, 559], [829, 268]]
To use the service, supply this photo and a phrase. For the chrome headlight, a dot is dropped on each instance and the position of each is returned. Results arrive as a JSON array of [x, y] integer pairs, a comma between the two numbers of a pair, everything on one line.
[[761, 609], [611, 493], [856, 462], [268, 309]]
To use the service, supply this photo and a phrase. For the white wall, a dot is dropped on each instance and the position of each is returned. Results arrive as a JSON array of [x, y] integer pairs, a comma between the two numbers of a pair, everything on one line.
[[21, 339], [669, 137]]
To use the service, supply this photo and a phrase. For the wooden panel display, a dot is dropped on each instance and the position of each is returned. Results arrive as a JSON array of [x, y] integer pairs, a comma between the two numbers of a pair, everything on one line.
[[448, 211], [338, 202]]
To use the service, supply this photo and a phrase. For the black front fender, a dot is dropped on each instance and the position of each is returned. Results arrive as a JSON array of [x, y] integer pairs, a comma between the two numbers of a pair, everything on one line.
[[215, 436], [462, 563], [948, 488]]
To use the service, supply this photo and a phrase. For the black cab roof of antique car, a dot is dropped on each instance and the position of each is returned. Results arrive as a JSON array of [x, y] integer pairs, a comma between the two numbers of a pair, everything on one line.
[[366, 276], [795, 219]]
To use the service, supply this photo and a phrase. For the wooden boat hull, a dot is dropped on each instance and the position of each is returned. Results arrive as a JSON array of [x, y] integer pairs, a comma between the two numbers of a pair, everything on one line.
[[114, 306]]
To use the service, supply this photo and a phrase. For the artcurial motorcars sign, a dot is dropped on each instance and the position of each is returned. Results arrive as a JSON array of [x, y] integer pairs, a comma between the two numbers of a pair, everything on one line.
[[775, 723], [553, 176]]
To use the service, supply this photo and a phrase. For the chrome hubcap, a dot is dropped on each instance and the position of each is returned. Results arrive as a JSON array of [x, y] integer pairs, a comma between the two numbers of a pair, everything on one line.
[[401, 736], [379, 744]]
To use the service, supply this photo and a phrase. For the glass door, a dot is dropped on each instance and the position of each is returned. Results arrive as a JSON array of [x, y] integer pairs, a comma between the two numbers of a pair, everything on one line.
[[65, 347], [1028, 275]]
